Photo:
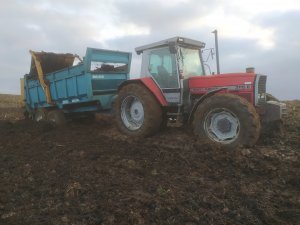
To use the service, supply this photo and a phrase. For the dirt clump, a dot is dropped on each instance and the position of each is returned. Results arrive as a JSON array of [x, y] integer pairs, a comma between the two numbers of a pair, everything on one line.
[[88, 173]]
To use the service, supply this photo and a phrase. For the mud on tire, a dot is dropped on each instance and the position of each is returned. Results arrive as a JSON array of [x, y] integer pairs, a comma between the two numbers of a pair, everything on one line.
[[226, 120], [138, 113], [40, 115], [56, 117]]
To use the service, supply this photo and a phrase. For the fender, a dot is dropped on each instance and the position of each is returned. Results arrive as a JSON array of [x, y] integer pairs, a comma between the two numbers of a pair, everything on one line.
[[151, 85], [200, 100]]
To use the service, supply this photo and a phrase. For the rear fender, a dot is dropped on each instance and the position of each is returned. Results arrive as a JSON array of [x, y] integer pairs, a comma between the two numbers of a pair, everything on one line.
[[200, 100], [151, 85]]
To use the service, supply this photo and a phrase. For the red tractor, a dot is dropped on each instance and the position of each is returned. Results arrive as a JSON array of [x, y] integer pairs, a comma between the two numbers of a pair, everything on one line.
[[223, 109]]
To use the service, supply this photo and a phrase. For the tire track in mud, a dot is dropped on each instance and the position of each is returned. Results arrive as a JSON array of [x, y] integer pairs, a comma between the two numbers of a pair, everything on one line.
[[89, 173]]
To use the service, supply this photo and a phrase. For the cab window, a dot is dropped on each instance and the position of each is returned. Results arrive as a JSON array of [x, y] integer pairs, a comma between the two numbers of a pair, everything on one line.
[[162, 67]]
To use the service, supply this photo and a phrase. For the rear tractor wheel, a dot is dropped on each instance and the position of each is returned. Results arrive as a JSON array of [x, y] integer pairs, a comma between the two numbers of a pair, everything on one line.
[[227, 120], [137, 111]]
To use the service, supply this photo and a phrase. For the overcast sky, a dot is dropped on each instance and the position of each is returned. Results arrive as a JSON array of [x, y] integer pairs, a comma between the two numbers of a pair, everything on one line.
[[259, 33]]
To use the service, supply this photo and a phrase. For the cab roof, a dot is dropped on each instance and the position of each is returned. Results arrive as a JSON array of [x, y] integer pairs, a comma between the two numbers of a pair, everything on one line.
[[181, 41]]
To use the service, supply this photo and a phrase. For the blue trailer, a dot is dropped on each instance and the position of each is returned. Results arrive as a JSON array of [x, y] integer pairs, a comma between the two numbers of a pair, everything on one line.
[[55, 87]]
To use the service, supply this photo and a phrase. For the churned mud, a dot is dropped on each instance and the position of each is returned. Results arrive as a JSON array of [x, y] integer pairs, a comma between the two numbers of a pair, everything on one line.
[[88, 173]]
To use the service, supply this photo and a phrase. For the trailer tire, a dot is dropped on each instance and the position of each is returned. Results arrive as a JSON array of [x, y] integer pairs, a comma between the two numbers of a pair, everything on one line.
[[40, 115], [138, 113], [57, 117], [228, 121]]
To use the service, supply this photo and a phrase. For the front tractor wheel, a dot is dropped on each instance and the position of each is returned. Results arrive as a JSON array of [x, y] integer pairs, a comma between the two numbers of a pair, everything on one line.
[[137, 111], [227, 120]]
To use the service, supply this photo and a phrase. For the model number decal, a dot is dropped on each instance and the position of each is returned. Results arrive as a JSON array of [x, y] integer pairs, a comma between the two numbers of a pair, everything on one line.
[[231, 88]]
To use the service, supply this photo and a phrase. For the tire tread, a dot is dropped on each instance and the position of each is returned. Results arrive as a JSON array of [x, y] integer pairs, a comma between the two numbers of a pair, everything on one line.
[[246, 112], [152, 109]]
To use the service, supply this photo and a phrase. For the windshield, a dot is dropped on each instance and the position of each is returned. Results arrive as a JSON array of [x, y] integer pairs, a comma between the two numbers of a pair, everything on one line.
[[190, 62]]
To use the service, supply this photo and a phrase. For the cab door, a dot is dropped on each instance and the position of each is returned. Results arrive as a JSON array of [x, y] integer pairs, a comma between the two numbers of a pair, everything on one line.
[[162, 66]]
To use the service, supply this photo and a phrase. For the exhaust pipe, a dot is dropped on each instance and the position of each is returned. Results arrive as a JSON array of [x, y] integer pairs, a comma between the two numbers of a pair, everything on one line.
[[250, 70], [217, 50]]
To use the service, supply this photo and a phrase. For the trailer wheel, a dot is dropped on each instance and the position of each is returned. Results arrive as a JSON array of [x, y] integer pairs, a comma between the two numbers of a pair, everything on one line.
[[227, 120], [57, 117], [40, 115], [137, 111]]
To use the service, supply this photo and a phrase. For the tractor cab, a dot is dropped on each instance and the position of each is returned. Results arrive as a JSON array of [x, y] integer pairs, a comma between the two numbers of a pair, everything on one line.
[[170, 63]]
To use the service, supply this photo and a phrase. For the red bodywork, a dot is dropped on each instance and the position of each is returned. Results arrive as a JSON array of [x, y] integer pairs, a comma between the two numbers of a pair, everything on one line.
[[151, 86], [241, 84]]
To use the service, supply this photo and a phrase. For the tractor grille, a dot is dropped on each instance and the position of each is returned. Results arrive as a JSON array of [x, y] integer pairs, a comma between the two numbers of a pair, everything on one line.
[[262, 84], [260, 89]]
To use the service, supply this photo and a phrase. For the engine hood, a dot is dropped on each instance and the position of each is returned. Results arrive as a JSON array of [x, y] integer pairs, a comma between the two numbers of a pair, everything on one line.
[[230, 81]]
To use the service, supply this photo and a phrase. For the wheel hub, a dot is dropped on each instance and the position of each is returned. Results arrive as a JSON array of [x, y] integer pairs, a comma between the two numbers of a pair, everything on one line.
[[222, 125], [137, 111], [132, 113]]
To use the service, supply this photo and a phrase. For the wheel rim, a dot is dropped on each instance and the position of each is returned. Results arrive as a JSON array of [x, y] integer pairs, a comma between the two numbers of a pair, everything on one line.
[[132, 113], [221, 125], [39, 116]]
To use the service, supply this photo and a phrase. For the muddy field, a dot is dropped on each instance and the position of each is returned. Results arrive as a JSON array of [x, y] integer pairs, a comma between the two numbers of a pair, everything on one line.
[[88, 173], [10, 101]]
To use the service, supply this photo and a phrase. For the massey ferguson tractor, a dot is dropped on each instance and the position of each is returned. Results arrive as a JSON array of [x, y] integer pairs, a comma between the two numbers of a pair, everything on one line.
[[223, 109]]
